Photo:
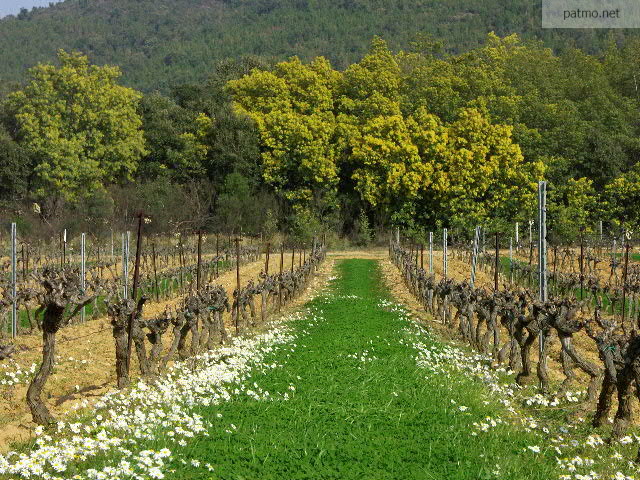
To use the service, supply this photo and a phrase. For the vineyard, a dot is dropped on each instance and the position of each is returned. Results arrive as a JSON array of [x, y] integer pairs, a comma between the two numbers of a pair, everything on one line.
[[184, 297], [294, 268], [188, 330]]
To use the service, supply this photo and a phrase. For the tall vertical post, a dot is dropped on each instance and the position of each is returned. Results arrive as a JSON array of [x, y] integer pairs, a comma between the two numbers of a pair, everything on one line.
[[517, 235], [266, 260], [14, 278], [444, 252], [217, 255], [83, 273], [238, 285], [64, 247], [125, 265], [497, 266], [134, 293], [542, 256], [128, 252], [280, 280], [581, 263], [614, 260], [542, 241], [510, 260], [155, 271], [199, 267], [474, 255], [624, 284], [430, 252], [600, 230]]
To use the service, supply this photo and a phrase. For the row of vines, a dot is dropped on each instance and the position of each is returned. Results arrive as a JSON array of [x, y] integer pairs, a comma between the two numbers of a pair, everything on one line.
[[54, 290], [506, 320]]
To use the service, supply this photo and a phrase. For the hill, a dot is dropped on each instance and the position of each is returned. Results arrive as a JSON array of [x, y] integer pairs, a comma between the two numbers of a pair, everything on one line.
[[159, 43]]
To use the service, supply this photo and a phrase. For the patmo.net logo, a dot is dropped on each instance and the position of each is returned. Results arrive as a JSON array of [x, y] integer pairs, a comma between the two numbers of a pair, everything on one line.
[[590, 14]]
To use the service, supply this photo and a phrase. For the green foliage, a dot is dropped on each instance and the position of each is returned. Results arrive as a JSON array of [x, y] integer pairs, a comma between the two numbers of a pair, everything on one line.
[[572, 209], [304, 226], [452, 131], [622, 197], [321, 129], [270, 227], [292, 108], [364, 234], [241, 208], [163, 43], [175, 138], [15, 165], [79, 125]]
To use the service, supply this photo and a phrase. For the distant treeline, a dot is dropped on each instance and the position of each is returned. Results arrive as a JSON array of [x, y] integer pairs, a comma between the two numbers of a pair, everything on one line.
[[408, 137]]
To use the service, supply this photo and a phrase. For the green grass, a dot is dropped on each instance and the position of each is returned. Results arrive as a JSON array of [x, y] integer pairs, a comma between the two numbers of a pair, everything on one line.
[[383, 419]]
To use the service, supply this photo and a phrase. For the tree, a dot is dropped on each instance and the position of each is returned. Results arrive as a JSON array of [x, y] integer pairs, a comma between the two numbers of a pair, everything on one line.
[[621, 198], [175, 138], [571, 208], [483, 174], [292, 108], [15, 165], [79, 125]]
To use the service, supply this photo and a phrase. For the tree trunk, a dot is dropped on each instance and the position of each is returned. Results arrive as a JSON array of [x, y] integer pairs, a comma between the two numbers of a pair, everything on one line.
[[120, 336], [39, 410], [604, 401]]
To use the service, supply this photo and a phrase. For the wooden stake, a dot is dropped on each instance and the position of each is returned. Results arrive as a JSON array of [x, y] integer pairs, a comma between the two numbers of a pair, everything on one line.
[[279, 283], [581, 263], [155, 271], [217, 254], [266, 261], [238, 285], [624, 283], [199, 269], [134, 292], [497, 267]]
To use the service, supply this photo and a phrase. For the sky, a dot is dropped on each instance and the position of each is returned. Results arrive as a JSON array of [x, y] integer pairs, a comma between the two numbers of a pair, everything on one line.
[[8, 7]]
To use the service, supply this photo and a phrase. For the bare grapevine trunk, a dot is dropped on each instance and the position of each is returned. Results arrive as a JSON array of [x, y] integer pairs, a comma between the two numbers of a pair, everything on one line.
[[39, 410], [120, 336]]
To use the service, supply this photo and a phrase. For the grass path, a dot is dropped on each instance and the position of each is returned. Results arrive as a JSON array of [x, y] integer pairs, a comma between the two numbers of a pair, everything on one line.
[[361, 408]]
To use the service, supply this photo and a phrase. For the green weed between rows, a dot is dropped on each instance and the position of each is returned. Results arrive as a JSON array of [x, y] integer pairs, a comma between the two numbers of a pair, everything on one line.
[[361, 408]]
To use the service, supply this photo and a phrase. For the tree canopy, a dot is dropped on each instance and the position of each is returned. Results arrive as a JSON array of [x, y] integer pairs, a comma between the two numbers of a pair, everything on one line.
[[400, 137], [81, 128]]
